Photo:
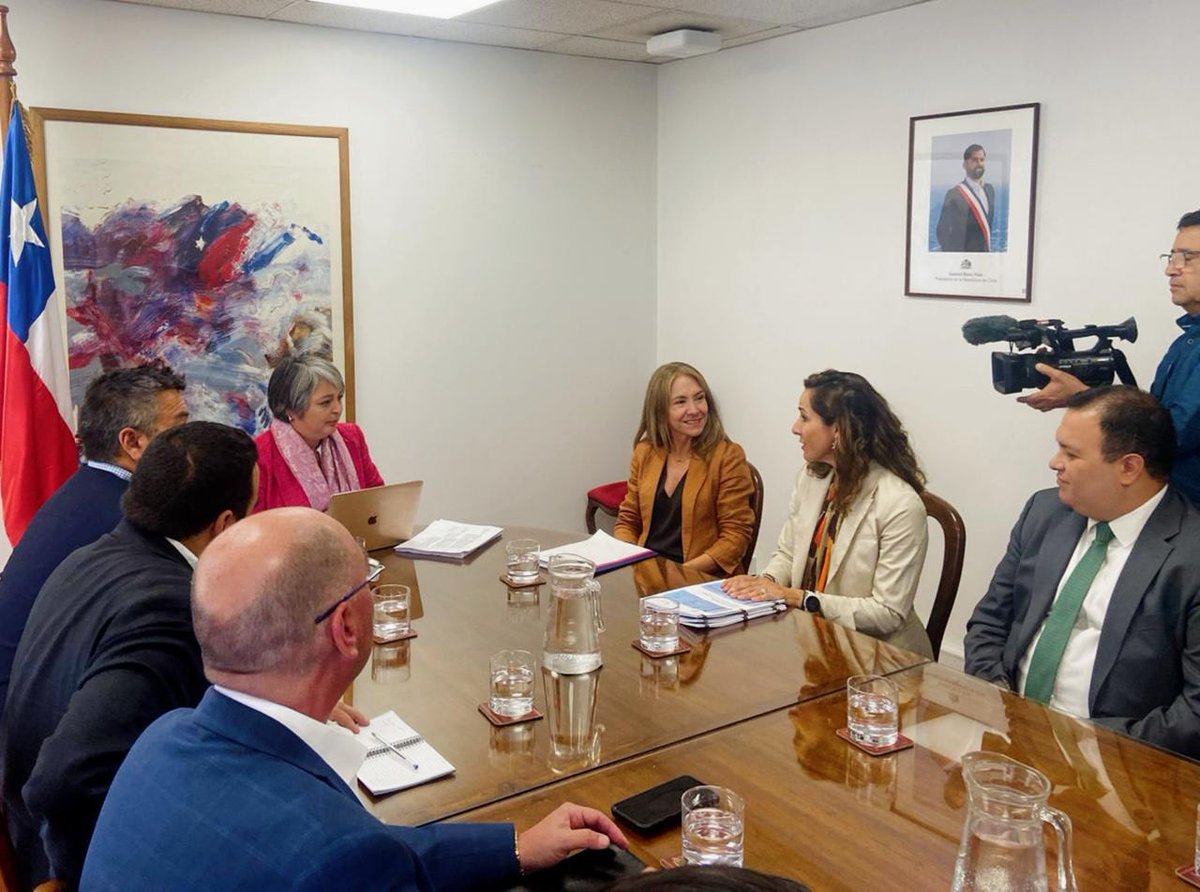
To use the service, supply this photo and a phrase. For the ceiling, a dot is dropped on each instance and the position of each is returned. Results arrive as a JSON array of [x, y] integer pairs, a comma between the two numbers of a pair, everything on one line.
[[604, 29]]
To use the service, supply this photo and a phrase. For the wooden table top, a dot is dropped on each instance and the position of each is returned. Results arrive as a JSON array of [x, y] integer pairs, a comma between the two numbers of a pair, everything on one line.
[[464, 613], [820, 811]]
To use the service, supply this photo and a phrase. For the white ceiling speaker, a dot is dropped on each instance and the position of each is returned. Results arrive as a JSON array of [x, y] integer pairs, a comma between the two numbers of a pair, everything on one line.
[[683, 43]]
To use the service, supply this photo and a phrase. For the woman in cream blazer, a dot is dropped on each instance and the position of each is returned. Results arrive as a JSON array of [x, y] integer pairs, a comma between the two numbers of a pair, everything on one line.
[[699, 478], [862, 480]]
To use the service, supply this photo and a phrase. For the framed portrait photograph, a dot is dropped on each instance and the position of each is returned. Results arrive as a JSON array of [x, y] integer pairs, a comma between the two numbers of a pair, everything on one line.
[[972, 177], [218, 247]]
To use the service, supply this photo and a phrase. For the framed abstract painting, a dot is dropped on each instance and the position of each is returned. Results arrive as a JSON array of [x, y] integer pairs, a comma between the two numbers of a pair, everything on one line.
[[218, 247], [972, 177]]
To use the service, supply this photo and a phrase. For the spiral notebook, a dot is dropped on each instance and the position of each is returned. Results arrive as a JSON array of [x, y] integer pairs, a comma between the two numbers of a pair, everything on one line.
[[397, 756]]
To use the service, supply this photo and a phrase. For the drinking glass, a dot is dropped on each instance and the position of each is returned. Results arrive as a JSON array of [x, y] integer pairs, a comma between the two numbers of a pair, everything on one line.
[[392, 618], [511, 682], [659, 624], [713, 826], [873, 710], [522, 560]]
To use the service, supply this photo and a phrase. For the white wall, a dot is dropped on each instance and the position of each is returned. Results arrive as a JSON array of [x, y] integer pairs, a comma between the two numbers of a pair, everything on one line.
[[782, 188], [503, 228], [499, 193]]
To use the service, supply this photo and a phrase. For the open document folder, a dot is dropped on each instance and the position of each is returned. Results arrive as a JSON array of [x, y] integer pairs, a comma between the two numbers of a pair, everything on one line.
[[602, 550], [706, 606], [448, 540]]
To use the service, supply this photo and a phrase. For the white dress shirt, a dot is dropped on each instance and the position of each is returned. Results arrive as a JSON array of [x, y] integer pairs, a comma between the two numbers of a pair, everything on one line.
[[184, 552], [977, 187], [1074, 678], [337, 747]]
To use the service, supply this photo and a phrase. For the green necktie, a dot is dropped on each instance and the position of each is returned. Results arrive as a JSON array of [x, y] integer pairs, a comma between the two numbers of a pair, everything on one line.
[[1043, 666]]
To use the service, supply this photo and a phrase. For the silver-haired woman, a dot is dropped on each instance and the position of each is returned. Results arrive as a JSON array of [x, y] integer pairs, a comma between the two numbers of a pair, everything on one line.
[[307, 454]]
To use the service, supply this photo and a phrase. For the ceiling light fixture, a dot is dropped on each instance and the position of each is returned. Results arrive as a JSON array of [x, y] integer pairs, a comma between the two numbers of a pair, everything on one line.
[[683, 42], [434, 9]]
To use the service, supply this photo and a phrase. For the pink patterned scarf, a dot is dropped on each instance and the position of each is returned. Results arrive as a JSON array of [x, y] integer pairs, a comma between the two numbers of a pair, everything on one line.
[[322, 473]]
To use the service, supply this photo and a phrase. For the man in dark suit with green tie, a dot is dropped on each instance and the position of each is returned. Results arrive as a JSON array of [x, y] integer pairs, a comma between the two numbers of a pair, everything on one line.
[[1095, 607]]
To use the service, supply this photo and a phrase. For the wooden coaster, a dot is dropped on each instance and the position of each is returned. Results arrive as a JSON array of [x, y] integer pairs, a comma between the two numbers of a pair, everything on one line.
[[902, 743], [1188, 874], [512, 583], [501, 720], [682, 648], [671, 861], [411, 633]]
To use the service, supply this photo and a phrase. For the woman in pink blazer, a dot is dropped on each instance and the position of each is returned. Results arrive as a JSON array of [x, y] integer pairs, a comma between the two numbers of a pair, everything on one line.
[[307, 455]]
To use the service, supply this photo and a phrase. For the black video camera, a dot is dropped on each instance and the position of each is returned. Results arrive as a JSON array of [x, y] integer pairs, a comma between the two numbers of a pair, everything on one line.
[[1049, 341]]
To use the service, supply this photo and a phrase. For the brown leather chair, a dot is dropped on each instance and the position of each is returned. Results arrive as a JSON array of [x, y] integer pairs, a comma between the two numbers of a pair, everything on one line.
[[608, 498], [954, 534]]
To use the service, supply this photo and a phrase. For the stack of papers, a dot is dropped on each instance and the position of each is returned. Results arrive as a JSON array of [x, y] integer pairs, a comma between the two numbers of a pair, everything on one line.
[[447, 540], [706, 606], [602, 550], [385, 770]]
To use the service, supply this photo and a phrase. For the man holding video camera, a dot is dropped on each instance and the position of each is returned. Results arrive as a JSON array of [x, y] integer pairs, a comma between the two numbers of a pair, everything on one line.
[[1177, 381]]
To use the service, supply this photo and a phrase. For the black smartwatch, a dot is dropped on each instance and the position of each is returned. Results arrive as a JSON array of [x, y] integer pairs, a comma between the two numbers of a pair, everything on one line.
[[811, 602]]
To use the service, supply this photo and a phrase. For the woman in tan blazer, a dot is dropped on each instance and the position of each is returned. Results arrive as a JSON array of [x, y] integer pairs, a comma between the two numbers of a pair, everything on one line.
[[854, 542], [689, 484]]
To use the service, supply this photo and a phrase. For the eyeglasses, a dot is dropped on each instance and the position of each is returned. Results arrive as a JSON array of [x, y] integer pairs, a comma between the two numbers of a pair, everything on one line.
[[1179, 257], [325, 614]]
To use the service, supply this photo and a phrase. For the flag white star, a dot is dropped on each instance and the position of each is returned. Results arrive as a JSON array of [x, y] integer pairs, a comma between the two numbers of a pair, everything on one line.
[[21, 229], [200, 243]]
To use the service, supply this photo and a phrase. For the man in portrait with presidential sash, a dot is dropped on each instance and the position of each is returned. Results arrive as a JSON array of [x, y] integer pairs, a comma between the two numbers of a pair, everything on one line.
[[966, 220]]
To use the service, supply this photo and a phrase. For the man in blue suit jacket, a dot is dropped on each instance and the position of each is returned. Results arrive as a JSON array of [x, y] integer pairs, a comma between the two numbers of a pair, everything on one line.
[[122, 411], [252, 789], [1131, 658]]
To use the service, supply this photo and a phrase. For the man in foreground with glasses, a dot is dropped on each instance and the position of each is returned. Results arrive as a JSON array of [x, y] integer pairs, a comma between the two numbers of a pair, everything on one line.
[[1177, 381], [253, 789]]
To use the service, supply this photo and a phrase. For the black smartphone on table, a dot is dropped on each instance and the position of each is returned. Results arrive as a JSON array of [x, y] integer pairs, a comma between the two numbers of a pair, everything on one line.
[[657, 808]]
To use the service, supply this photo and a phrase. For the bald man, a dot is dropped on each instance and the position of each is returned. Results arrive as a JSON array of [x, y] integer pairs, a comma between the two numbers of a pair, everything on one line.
[[253, 789]]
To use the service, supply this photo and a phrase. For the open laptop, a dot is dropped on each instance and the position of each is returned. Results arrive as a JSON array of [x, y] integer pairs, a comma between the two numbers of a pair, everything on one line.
[[382, 515]]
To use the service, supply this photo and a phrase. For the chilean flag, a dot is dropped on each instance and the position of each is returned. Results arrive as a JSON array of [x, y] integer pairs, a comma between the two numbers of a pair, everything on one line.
[[37, 447]]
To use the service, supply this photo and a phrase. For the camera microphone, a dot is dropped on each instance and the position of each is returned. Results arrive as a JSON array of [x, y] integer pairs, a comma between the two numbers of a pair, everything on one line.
[[986, 329]]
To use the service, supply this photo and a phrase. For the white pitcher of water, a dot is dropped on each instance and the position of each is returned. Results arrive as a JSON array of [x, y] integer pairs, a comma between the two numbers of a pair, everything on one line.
[[1002, 848], [572, 642]]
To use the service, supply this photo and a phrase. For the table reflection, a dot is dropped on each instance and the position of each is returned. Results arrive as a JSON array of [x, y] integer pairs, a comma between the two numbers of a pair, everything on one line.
[[511, 748], [658, 674], [524, 605], [571, 717], [391, 663]]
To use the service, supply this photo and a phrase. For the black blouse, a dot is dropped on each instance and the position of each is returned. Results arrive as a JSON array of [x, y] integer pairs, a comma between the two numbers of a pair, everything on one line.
[[666, 520]]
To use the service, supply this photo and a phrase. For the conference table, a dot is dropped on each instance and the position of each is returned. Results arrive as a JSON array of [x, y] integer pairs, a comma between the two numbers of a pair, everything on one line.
[[755, 708], [821, 812], [464, 612]]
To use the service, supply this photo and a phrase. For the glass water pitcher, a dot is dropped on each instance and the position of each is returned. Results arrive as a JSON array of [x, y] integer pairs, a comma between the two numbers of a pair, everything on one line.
[[1002, 848], [574, 621]]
